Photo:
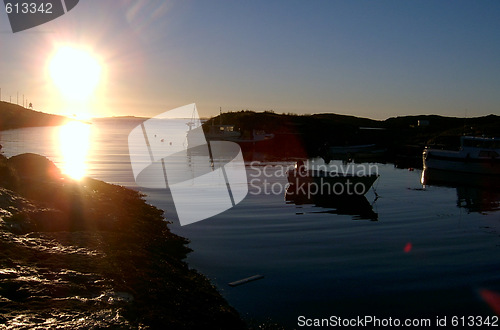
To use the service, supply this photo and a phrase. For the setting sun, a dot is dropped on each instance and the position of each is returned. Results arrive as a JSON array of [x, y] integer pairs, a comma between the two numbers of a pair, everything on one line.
[[76, 72]]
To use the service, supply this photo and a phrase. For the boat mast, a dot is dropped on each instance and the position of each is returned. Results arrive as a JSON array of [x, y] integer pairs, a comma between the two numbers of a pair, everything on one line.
[[193, 119]]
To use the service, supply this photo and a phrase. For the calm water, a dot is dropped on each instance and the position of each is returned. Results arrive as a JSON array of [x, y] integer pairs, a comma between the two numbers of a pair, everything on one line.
[[415, 251]]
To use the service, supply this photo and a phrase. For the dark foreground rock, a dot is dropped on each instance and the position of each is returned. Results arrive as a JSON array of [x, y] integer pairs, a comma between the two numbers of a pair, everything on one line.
[[93, 255]]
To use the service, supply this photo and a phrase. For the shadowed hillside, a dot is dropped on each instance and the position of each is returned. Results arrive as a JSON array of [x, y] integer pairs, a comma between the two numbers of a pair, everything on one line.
[[15, 116], [310, 135]]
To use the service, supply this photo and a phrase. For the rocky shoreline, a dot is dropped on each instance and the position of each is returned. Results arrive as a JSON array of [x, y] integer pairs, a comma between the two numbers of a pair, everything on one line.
[[87, 254]]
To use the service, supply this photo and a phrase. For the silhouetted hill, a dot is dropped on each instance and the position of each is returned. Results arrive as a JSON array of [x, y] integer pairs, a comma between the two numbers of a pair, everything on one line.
[[15, 116], [300, 135], [440, 129]]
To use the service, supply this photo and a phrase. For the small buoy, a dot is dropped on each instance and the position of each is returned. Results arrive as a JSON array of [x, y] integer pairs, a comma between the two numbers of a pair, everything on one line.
[[411, 169], [246, 280]]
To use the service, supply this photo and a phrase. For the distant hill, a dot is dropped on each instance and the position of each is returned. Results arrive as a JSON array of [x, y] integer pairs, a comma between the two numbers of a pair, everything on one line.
[[441, 130], [120, 117], [15, 116], [311, 133], [269, 119], [335, 123]]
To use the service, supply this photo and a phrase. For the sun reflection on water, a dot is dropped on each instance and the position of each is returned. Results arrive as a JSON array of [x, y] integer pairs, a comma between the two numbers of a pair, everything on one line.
[[74, 142]]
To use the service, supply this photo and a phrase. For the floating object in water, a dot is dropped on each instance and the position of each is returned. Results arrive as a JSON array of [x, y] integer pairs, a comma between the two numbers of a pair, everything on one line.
[[246, 280]]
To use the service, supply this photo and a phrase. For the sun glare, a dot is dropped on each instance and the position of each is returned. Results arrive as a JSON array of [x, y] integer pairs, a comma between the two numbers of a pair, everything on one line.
[[74, 142], [76, 72]]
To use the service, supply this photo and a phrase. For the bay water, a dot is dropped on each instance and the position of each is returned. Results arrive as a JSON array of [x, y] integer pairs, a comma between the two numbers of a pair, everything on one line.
[[405, 250]]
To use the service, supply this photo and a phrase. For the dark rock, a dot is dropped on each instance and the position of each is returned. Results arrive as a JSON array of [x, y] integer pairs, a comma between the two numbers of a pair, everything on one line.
[[89, 254], [34, 166], [8, 175]]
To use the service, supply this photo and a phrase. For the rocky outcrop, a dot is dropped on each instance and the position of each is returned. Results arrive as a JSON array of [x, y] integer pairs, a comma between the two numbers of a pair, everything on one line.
[[87, 254]]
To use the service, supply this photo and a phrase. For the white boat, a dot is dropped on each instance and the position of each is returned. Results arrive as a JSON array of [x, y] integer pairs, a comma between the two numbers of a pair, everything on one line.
[[478, 155]]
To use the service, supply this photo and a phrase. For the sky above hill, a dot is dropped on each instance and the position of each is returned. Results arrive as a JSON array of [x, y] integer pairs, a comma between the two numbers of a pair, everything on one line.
[[373, 59]]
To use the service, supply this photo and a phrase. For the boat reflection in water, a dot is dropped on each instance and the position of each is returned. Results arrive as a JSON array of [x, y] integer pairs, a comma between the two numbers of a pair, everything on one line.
[[475, 192], [356, 206]]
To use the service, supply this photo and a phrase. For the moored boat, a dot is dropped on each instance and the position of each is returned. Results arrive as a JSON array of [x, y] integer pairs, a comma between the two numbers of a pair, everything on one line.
[[316, 182], [478, 155]]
